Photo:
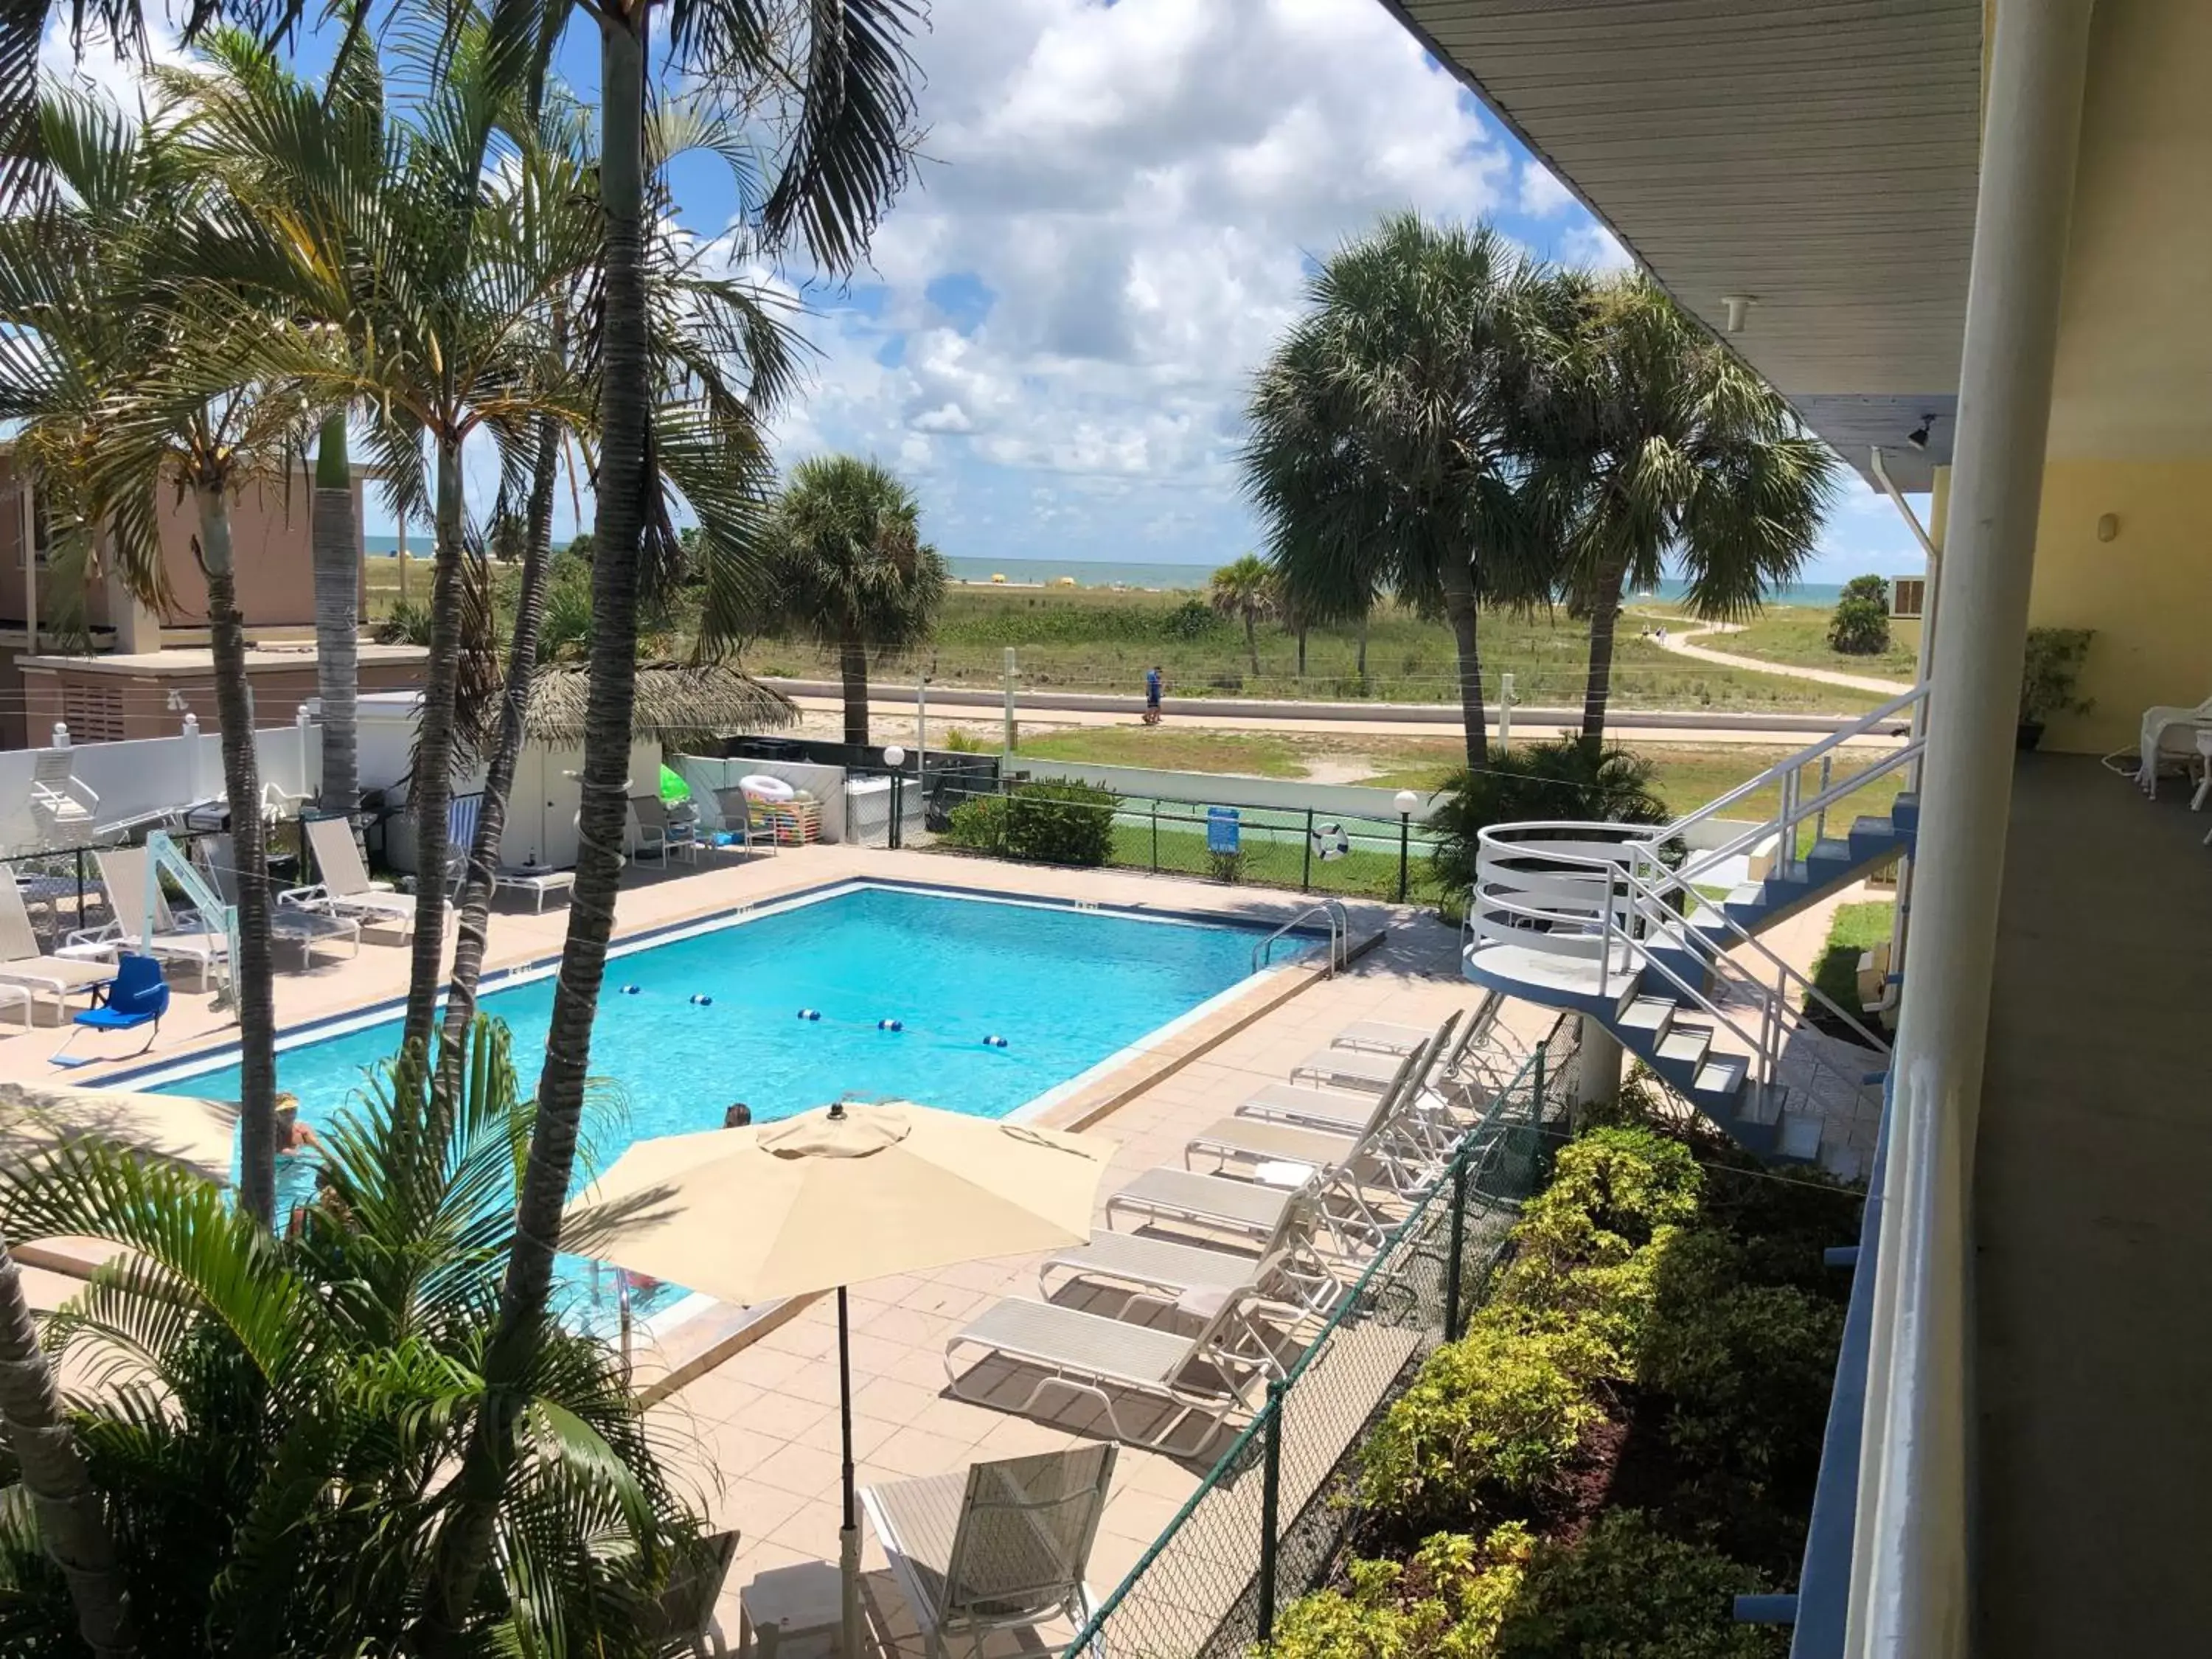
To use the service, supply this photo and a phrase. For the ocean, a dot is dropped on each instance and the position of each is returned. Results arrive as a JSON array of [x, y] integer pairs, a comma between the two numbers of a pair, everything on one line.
[[1101, 573]]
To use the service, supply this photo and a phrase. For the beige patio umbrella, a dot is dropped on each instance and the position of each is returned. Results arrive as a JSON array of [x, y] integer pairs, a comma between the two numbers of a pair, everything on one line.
[[835, 1197]]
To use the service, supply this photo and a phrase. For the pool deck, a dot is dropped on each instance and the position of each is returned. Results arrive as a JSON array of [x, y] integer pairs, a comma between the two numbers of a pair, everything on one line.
[[749, 1401]]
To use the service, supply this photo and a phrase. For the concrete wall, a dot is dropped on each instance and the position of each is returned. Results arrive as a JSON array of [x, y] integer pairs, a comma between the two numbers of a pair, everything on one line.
[[2148, 592], [159, 774], [825, 783], [99, 698]]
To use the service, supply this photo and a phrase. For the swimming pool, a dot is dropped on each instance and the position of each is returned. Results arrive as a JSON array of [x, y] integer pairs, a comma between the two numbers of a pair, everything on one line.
[[714, 1015]]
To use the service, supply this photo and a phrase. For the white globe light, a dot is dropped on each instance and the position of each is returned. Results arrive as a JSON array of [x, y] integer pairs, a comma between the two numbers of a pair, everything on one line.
[[894, 756], [1407, 802]]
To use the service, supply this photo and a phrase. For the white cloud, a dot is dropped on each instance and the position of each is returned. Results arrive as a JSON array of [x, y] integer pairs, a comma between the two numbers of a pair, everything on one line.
[[1594, 247], [99, 66], [1541, 192], [1139, 189]]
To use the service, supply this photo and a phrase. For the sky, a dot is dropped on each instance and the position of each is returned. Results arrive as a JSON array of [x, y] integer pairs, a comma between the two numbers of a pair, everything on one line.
[[1115, 211]]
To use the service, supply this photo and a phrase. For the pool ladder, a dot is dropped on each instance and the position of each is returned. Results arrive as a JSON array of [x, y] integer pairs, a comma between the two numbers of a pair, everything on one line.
[[1340, 934]]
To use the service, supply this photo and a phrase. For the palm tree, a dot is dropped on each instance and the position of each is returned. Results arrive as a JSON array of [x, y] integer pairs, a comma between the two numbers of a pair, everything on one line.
[[1382, 452], [277, 1416], [1660, 448], [124, 391], [836, 92], [848, 566], [1245, 592], [336, 552], [70, 1522]]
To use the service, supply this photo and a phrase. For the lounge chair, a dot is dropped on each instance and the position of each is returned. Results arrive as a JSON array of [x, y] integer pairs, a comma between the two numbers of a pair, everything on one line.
[[289, 924], [1002, 1547], [741, 819], [682, 1620], [22, 963], [185, 936], [1218, 1371], [345, 889], [463, 814], [653, 831], [1286, 1267], [1389, 1037], [1393, 1145]]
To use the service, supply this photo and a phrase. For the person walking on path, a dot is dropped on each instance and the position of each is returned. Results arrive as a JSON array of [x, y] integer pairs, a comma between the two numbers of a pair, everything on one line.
[[1153, 695]]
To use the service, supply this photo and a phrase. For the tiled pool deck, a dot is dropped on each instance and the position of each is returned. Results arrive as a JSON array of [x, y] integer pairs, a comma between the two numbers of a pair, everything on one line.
[[751, 1409]]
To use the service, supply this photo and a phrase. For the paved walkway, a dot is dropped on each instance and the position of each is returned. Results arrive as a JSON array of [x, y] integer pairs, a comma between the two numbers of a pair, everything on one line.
[[1681, 646]]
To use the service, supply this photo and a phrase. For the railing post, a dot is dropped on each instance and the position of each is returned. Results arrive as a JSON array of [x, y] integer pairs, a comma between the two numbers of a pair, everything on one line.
[[1538, 1075], [1271, 1500], [1454, 1258], [1305, 870], [80, 890], [1821, 823], [1405, 846], [1156, 835]]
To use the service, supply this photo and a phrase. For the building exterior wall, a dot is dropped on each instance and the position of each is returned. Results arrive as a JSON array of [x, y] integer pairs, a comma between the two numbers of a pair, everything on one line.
[[99, 706], [2148, 592]]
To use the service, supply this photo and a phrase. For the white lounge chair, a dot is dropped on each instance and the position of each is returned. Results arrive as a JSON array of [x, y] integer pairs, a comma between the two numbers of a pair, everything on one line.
[[289, 924], [684, 1617], [1002, 1547], [177, 936], [1393, 1146], [22, 962], [1389, 1037], [1210, 1375], [345, 889], [1286, 1267]]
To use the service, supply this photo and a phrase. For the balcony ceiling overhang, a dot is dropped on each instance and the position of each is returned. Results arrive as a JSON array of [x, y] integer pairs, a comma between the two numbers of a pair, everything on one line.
[[1819, 156]]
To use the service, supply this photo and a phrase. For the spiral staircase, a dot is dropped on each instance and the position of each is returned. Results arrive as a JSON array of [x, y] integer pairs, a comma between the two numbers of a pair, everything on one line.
[[1625, 924]]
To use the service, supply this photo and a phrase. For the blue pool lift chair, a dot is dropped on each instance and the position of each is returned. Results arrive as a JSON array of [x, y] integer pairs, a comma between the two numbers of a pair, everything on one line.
[[137, 996]]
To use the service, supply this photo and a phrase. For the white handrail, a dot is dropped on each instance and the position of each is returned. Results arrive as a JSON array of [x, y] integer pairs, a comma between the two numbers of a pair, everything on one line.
[[1789, 764], [1340, 932], [1796, 812]]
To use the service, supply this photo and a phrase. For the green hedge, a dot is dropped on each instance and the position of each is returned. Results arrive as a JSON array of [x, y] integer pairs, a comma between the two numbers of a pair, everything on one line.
[[1046, 821]]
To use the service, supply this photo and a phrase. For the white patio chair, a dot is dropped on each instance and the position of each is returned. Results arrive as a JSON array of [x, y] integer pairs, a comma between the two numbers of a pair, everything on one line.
[[1002, 1547]]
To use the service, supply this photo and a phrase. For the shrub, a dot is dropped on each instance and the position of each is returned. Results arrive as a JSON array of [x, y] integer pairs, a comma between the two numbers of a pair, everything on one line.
[[1860, 626], [978, 824], [1747, 1368], [1627, 1590], [2051, 671], [1563, 778], [1492, 1418], [1448, 1600], [1194, 619]]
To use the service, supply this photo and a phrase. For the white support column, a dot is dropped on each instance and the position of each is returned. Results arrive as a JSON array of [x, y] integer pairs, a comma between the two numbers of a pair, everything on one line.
[[1909, 1597]]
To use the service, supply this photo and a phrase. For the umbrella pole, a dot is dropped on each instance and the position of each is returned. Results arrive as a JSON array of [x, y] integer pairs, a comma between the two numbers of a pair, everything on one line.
[[848, 1537]]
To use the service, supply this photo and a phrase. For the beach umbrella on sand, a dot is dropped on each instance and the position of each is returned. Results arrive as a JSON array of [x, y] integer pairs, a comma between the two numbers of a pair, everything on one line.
[[834, 1197]]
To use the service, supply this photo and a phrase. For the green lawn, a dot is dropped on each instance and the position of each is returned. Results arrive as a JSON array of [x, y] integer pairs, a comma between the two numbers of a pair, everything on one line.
[[1174, 748], [1857, 928], [1799, 634]]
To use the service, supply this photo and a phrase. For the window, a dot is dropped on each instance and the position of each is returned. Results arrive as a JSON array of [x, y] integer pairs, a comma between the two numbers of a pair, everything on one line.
[[92, 711], [1907, 595]]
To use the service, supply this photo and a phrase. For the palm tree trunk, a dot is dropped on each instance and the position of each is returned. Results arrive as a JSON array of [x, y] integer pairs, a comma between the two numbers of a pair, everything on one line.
[[471, 935], [253, 975], [1459, 607], [465, 1545], [1605, 618], [432, 791], [72, 1524], [335, 553], [1252, 642], [853, 668]]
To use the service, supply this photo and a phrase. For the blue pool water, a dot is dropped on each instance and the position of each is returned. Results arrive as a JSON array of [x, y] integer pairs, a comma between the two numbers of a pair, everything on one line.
[[1066, 989]]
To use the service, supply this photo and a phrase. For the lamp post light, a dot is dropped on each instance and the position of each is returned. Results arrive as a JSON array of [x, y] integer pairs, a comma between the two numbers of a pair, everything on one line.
[[894, 758], [1405, 801]]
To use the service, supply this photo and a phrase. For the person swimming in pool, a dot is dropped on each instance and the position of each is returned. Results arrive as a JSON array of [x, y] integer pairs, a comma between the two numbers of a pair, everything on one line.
[[292, 1135], [738, 1116]]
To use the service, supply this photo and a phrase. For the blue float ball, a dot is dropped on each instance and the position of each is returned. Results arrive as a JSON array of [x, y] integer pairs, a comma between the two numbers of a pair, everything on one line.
[[632, 990], [809, 1014], [702, 1002], [891, 1025], [994, 1042]]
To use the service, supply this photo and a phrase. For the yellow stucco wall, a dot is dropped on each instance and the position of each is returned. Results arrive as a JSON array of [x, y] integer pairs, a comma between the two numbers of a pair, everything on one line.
[[2148, 592]]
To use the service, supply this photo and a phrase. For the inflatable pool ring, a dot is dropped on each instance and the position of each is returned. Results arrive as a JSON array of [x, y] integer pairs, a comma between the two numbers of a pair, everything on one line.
[[994, 1042], [760, 787], [891, 1025], [809, 1014], [1329, 842]]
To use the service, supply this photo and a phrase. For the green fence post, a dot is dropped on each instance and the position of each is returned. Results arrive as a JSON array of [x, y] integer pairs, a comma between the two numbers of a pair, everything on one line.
[[1539, 1082], [1156, 835], [1454, 1256], [1305, 872], [1405, 846], [1271, 1500]]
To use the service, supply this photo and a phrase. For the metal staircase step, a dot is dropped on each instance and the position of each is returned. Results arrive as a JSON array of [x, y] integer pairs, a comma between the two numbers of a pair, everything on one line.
[[1904, 811], [1686, 1045], [1652, 1015], [1750, 893], [1829, 849], [1873, 829], [1801, 1136], [1721, 1075]]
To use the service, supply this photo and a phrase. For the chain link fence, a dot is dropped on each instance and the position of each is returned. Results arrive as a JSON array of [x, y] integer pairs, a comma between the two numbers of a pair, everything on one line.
[[1266, 1523], [1307, 850]]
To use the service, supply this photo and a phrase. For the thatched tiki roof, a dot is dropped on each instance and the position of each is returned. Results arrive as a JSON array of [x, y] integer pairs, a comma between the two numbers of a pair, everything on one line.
[[675, 703]]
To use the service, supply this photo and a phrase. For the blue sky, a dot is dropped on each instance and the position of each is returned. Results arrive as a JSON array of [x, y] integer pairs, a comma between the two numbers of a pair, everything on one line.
[[1115, 209]]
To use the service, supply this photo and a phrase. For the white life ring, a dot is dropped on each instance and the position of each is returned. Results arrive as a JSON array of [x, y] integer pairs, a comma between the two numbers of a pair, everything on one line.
[[1329, 842], [760, 787]]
